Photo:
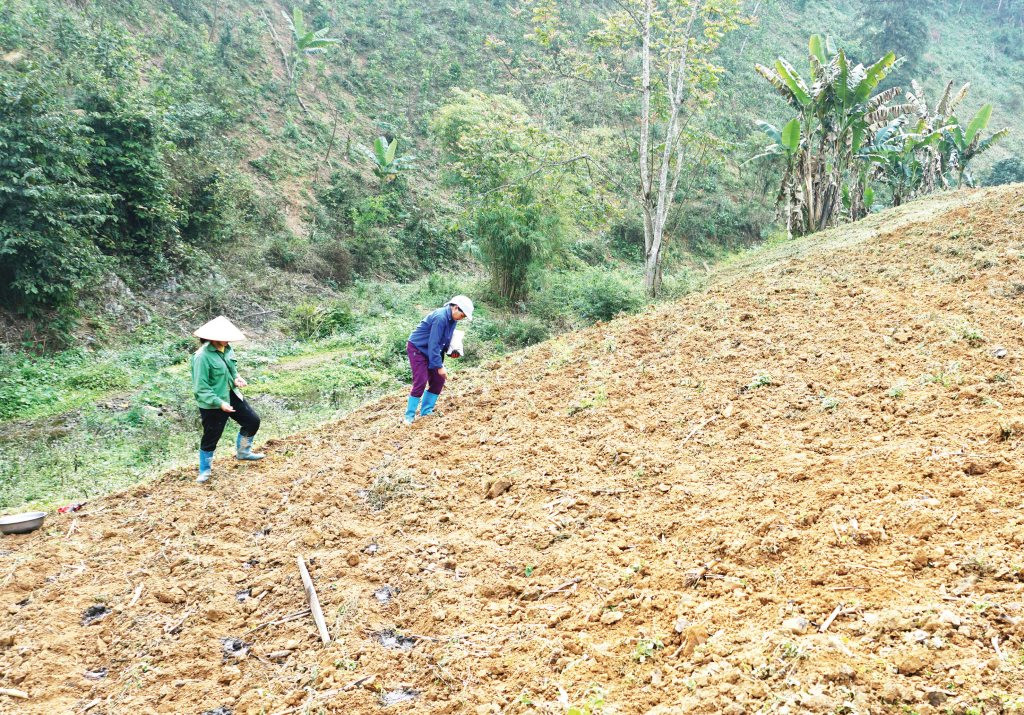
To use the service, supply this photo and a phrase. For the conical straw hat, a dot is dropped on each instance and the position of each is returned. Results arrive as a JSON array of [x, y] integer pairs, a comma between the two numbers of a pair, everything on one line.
[[220, 328]]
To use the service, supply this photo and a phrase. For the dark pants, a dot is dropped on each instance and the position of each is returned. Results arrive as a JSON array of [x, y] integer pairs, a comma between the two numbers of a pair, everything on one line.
[[214, 421], [422, 376]]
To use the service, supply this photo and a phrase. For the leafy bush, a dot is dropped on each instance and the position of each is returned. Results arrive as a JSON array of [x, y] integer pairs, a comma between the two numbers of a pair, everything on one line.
[[1006, 171], [49, 205], [335, 262], [284, 251], [522, 332], [440, 288], [219, 204], [98, 376], [573, 299], [600, 294], [371, 212], [310, 321], [434, 247], [127, 160]]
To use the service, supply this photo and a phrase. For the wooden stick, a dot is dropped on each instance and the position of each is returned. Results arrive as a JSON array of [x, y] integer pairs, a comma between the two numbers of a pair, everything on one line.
[[831, 617], [171, 630], [299, 614], [360, 681], [314, 602], [692, 578], [12, 693], [698, 428], [558, 589]]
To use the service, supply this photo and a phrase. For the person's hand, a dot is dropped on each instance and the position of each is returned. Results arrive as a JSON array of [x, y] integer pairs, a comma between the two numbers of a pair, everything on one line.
[[225, 407], [442, 372], [240, 381]]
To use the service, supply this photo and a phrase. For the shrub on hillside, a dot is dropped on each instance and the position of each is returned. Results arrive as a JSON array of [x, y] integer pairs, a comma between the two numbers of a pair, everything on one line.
[[284, 251], [574, 299], [601, 294], [1006, 171], [220, 204], [128, 137], [335, 262], [49, 205], [522, 332], [311, 321], [434, 246], [439, 288]]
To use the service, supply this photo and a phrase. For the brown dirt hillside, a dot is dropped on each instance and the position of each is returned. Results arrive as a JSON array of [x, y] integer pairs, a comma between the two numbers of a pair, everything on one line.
[[657, 515]]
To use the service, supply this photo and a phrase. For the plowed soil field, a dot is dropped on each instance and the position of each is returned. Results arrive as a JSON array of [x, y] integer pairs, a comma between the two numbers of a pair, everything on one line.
[[796, 491]]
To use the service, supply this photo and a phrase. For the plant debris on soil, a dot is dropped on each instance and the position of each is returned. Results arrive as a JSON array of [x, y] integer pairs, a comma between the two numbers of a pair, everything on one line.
[[390, 639], [94, 614], [396, 697], [796, 491]]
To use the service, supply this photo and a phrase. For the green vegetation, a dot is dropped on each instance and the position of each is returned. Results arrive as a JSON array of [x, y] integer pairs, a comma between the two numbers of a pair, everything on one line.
[[321, 176], [847, 136], [83, 421]]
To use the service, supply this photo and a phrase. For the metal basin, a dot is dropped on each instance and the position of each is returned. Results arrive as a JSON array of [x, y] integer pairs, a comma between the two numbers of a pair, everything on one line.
[[21, 523]]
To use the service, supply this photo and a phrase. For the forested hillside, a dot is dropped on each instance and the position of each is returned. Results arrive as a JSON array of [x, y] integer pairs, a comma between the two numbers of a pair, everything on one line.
[[168, 142]]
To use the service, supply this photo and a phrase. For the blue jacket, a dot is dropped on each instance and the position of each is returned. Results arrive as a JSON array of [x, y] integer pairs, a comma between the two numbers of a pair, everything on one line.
[[433, 336]]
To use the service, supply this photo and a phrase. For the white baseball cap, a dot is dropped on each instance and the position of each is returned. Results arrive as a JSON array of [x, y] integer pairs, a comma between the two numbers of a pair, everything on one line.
[[464, 304]]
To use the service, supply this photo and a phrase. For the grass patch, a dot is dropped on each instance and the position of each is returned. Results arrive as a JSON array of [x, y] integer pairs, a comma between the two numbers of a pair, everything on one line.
[[81, 423]]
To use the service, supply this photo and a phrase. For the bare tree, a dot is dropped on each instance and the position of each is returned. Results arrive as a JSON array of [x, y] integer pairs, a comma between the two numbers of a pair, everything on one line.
[[660, 52]]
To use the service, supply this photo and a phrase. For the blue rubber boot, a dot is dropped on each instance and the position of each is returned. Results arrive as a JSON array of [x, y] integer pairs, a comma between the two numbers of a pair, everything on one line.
[[243, 447], [205, 466], [429, 402], [410, 411]]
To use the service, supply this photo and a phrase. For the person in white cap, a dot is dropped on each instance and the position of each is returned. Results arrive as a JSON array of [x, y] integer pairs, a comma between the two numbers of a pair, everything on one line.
[[427, 346], [216, 383]]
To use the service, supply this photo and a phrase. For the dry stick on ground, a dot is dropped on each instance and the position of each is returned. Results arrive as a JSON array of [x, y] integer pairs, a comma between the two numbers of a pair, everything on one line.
[[698, 428], [694, 577], [831, 617], [300, 614], [558, 589], [12, 693], [171, 630], [314, 602]]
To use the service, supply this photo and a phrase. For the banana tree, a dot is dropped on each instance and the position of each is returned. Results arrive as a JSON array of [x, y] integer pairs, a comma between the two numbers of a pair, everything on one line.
[[836, 109], [308, 42], [785, 143], [902, 159], [931, 120], [960, 146], [386, 165]]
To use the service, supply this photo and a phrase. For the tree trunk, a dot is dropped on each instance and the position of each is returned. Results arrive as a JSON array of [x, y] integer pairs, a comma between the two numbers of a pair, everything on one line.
[[652, 256], [651, 237]]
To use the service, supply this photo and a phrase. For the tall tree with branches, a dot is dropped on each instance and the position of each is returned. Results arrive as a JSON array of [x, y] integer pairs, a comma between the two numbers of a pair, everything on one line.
[[658, 54]]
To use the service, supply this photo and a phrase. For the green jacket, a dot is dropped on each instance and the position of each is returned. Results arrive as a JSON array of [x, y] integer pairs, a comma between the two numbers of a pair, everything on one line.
[[213, 376]]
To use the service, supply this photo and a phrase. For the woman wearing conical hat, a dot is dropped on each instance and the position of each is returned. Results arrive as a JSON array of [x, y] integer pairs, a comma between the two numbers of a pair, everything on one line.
[[216, 383]]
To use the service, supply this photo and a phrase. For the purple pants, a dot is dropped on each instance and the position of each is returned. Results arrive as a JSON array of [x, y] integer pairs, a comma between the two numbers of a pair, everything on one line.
[[422, 376]]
